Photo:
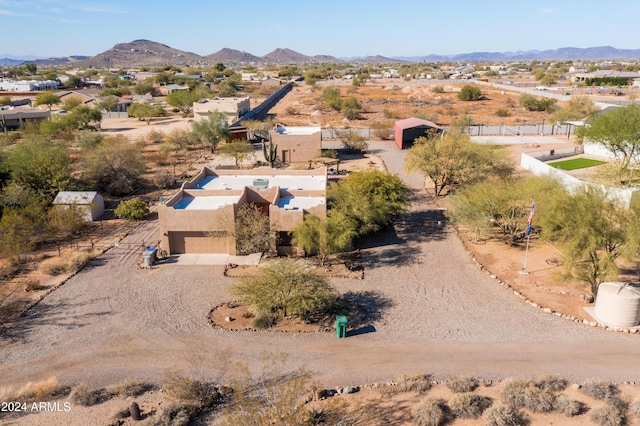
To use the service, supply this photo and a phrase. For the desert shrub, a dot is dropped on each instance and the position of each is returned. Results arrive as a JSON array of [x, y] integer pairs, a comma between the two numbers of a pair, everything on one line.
[[539, 400], [291, 111], [155, 136], [186, 389], [512, 391], [129, 387], [531, 103], [430, 412], [567, 406], [420, 383], [264, 321], [66, 264], [462, 384], [389, 113], [382, 131], [438, 88], [173, 414], [133, 209], [502, 415], [355, 143], [163, 180], [84, 395], [88, 140], [551, 383], [329, 153], [469, 405], [599, 389], [608, 415], [470, 92], [39, 391], [33, 285], [502, 112]]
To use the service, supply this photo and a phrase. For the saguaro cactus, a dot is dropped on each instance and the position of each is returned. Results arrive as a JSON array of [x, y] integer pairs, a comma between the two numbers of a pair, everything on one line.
[[270, 153]]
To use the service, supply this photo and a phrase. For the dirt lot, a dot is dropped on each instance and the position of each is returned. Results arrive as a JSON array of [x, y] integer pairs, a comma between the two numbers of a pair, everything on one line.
[[386, 103]]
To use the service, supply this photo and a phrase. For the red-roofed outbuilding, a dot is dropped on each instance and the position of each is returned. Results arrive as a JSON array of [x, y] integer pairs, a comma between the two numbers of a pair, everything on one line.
[[407, 130]]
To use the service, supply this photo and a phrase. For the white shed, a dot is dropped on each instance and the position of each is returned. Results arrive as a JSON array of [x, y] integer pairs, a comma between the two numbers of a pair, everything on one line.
[[90, 201]]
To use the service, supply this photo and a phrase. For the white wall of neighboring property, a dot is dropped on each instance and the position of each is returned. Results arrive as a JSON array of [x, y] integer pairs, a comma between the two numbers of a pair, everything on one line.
[[540, 168]]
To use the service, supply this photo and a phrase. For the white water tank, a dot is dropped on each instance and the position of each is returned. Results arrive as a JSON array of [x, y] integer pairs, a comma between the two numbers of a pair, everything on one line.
[[618, 304]]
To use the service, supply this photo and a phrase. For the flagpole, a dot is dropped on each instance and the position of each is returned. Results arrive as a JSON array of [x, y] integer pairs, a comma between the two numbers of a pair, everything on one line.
[[526, 252]]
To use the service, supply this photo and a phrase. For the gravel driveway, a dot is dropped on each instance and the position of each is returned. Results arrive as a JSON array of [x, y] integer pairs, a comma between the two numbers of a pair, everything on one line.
[[431, 310]]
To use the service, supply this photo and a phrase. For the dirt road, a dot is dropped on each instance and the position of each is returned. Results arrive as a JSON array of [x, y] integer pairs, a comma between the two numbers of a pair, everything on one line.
[[431, 310]]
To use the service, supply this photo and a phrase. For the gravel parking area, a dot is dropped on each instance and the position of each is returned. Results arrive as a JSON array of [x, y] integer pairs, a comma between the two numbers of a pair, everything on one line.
[[431, 309]]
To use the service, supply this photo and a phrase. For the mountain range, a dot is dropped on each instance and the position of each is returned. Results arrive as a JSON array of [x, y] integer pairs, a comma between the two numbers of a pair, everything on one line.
[[149, 53]]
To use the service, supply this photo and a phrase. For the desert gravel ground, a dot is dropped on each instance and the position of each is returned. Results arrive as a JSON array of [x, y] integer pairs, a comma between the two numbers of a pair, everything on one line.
[[431, 310]]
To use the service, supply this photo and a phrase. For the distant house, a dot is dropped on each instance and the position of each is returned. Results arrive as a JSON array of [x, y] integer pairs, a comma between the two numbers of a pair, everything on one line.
[[90, 202], [408, 130], [9, 85], [296, 144], [233, 107], [15, 118], [170, 88]]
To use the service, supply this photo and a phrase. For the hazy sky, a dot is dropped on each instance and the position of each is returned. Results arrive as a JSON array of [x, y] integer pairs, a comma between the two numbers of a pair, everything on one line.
[[339, 28]]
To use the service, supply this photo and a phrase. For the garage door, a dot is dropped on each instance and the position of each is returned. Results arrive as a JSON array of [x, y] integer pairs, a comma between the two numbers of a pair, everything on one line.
[[196, 242]]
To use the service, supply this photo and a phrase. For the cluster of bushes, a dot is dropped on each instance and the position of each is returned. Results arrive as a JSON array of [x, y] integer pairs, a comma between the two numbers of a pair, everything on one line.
[[538, 396], [350, 107], [531, 103]]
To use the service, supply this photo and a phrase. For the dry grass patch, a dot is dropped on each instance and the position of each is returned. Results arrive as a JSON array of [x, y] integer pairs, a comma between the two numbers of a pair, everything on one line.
[[599, 389], [502, 415], [462, 384], [41, 391], [469, 405], [420, 383], [68, 263], [430, 412]]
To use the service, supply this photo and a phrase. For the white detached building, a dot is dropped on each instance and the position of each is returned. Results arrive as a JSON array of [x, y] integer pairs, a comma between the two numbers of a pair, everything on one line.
[[90, 202]]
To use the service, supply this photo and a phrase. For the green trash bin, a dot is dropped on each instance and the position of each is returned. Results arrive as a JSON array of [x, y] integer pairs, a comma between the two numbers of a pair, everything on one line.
[[341, 326]]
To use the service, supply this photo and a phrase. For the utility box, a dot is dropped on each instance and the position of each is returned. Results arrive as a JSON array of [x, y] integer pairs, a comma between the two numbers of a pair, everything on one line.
[[341, 326]]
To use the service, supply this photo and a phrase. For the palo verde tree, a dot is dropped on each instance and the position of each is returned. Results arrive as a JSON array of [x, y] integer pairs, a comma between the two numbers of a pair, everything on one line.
[[453, 158], [285, 287], [325, 237], [594, 232], [48, 98], [577, 108], [183, 100], [41, 165], [210, 131], [145, 112], [114, 166], [503, 204], [618, 130], [238, 150], [369, 199]]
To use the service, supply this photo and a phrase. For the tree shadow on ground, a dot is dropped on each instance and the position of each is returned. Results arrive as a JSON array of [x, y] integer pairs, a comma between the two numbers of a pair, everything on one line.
[[374, 303], [45, 314]]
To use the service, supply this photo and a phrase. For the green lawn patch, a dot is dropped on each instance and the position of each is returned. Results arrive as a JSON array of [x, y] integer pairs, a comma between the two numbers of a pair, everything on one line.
[[576, 163]]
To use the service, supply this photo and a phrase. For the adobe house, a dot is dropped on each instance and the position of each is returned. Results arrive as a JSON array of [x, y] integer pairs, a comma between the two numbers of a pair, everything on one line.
[[408, 130], [296, 144], [195, 219], [90, 202], [233, 107]]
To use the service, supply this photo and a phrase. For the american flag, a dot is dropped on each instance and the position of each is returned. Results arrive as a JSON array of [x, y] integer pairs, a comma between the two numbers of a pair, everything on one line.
[[530, 219]]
